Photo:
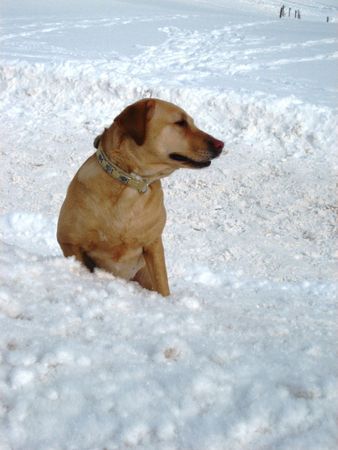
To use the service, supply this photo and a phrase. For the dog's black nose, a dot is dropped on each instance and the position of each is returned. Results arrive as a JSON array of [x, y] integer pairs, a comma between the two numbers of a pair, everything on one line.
[[215, 146], [218, 144]]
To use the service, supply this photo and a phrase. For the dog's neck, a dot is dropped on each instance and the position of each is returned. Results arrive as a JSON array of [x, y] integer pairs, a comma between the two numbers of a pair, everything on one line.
[[124, 161], [130, 179]]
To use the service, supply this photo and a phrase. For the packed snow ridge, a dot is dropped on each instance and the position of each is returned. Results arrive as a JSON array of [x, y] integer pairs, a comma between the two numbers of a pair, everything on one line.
[[241, 356]]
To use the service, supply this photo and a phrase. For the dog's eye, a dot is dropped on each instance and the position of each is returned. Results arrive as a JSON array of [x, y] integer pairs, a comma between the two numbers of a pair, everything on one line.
[[182, 123]]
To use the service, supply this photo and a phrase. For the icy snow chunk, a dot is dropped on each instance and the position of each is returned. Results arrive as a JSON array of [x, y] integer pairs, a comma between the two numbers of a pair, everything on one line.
[[203, 386], [21, 377], [84, 361], [60, 357], [136, 434], [8, 306], [203, 275], [64, 357], [191, 302], [166, 431], [21, 357], [52, 394]]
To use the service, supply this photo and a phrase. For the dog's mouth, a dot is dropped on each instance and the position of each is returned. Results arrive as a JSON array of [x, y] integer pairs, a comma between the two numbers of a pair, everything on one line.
[[188, 161]]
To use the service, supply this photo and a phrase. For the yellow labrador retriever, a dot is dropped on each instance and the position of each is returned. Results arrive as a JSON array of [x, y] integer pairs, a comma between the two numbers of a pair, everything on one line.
[[113, 215]]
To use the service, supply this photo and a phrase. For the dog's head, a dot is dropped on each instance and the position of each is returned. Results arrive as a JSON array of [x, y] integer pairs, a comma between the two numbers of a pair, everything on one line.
[[162, 136]]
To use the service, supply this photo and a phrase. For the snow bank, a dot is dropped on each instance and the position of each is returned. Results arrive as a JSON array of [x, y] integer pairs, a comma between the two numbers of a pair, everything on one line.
[[89, 361], [238, 356], [265, 187]]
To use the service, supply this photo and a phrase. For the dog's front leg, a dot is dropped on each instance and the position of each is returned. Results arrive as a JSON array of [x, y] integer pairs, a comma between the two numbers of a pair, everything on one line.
[[154, 257]]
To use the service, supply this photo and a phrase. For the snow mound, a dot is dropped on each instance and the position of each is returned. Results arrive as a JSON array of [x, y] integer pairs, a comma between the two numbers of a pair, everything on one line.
[[228, 361]]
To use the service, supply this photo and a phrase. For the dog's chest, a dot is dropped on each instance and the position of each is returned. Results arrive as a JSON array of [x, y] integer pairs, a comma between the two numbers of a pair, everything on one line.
[[133, 218]]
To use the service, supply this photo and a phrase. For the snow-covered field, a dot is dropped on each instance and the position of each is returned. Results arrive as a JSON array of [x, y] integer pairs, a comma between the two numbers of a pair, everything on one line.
[[242, 355]]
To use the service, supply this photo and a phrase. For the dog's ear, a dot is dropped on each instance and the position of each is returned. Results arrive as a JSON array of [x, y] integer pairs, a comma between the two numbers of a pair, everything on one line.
[[97, 140], [133, 120]]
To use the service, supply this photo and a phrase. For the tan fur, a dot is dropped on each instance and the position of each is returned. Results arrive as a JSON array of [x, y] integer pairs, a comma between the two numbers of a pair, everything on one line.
[[106, 224]]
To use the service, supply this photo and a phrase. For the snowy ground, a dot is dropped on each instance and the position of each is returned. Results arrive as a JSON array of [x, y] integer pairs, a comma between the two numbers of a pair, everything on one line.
[[243, 354]]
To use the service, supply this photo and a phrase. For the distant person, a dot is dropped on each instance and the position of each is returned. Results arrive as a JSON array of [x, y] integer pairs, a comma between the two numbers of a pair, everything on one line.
[[282, 12]]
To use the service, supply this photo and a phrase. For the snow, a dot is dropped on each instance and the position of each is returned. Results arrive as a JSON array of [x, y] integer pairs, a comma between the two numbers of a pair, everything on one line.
[[242, 355]]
